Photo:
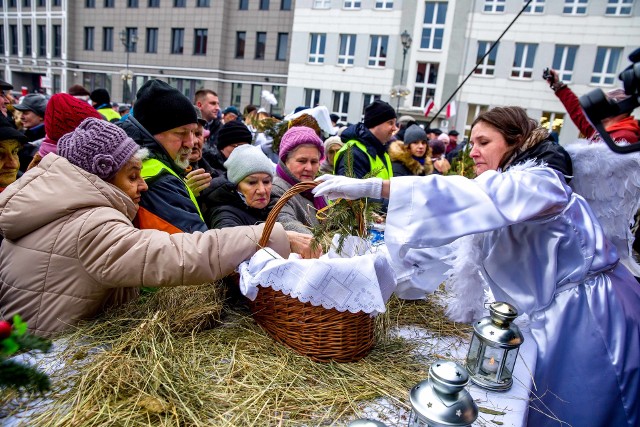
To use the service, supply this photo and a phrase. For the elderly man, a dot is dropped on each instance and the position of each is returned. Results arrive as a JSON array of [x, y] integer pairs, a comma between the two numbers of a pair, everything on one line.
[[5, 99], [164, 121], [367, 142], [32, 107], [230, 114]]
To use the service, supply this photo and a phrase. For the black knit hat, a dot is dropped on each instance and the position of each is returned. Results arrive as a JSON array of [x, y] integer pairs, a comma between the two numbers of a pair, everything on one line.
[[100, 96], [8, 132], [378, 112], [160, 107], [234, 132]]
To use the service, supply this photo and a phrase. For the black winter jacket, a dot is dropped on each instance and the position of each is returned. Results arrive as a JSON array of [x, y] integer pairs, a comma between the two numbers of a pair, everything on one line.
[[229, 210]]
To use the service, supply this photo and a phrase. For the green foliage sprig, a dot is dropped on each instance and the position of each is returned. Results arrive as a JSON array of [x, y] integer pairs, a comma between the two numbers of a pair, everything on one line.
[[463, 164]]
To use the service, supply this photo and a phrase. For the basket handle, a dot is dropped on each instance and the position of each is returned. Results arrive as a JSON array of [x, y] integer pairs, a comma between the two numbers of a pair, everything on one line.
[[273, 215]]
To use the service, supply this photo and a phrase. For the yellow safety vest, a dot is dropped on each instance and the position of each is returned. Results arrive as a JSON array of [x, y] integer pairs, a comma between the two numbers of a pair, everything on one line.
[[152, 167], [386, 171]]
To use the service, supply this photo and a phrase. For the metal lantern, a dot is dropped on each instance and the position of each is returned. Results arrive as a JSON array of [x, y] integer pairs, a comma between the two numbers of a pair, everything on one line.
[[442, 400], [363, 422], [494, 348]]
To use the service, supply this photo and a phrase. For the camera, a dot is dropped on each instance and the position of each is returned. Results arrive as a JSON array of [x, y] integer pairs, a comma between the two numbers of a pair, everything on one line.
[[546, 74], [597, 107]]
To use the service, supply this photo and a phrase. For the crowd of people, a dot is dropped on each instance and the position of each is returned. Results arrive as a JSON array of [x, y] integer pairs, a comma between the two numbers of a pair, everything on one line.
[[95, 205]]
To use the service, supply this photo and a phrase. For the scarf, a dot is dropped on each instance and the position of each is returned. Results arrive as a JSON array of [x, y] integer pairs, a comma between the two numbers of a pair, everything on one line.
[[283, 172], [48, 146], [541, 148]]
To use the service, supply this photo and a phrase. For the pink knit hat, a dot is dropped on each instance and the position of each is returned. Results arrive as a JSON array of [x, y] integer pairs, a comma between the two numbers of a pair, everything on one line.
[[296, 136], [97, 146]]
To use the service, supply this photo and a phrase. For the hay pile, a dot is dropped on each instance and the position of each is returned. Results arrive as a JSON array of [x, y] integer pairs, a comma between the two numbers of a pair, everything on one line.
[[145, 364]]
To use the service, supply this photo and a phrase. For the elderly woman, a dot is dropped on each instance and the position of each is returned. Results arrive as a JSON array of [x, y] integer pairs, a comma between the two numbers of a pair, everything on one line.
[[301, 151], [413, 155], [70, 248], [332, 145], [540, 248], [11, 141], [243, 200]]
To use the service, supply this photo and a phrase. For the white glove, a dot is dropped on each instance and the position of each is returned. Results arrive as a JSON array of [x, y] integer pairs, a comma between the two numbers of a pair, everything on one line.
[[342, 187]]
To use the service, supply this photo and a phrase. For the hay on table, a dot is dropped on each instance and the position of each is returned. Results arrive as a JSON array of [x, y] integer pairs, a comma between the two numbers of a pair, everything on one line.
[[146, 365]]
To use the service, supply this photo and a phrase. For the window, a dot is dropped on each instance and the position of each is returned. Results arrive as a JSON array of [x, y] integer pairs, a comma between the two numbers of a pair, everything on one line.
[[256, 93], [90, 3], [179, 3], [26, 32], [285, 4], [384, 5], [236, 94], [575, 7], [12, 3], [95, 80], [13, 39], [493, 6], [107, 39], [278, 92], [317, 43], [605, 66], [283, 45], [311, 97], [177, 41], [88, 38], [473, 112], [1, 39], [487, 65], [347, 51], [241, 38], [425, 87], [26, 3], [203, 3], [264, 5], [378, 51], [341, 105], [619, 8], [151, 45], [132, 3], [351, 4], [109, 3], [552, 121], [321, 4], [154, 3], [433, 25], [42, 41], [536, 7], [563, 61], [243, 5], [200, 41], [57, 2], [132, 38], [57, 41], [42, 3], [186, 86], [367, 99], [523, 60], [261, 43]]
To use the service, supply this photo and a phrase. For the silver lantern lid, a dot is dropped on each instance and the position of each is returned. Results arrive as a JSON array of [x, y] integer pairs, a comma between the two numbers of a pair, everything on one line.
[[498, 327], [366, 423], [443, 400]]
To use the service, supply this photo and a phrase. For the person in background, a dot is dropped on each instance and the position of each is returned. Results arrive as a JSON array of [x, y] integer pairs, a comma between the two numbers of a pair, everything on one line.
[[413, 155], [453, 141], [231, 136], [124, 109], [623, 127], [332, 145], [32, 108], [230, 114], [10, 142], [440, 163], [433, 133], [63, 114], [89, 255], [101, 101], [403, 123], [207, 101], [541, 249], [301, 151], [264, 141], [5, 103], [368, 142], [80, 92]]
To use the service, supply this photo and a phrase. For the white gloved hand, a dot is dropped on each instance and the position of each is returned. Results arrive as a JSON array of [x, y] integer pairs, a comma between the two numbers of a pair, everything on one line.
[[342, 187]]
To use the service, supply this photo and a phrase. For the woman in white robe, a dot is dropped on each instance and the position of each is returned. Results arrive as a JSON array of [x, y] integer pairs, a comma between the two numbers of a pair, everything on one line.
[[541, 250]]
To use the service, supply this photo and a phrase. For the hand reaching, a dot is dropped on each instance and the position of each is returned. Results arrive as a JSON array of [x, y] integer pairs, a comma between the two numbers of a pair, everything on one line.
[[301, 244], [198, 180], [551, 76], [342, 187]]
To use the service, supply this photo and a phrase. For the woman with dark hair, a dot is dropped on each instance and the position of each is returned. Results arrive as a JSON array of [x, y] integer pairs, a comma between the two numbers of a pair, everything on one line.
[[412, 155], [540, 248]]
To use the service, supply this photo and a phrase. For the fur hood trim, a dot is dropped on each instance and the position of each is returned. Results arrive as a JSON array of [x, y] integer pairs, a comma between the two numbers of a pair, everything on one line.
[[398, 152]]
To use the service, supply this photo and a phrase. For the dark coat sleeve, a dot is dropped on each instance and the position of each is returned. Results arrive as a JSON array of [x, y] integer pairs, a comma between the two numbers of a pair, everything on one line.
[[361, 163]]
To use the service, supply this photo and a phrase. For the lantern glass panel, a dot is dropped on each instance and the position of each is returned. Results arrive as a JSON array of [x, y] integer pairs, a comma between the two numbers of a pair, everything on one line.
[[490, 364], [474, 353], [509, 363]]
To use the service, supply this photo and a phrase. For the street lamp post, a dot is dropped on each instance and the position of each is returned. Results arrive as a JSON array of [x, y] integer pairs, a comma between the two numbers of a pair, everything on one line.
[[406, 40], [126, 74]]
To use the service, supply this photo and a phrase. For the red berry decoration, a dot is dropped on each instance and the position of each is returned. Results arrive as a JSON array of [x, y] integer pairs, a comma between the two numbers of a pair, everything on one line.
[[5, 329]]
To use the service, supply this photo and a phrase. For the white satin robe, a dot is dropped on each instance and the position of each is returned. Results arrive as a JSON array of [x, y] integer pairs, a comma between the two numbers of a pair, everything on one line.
[[543, 252]]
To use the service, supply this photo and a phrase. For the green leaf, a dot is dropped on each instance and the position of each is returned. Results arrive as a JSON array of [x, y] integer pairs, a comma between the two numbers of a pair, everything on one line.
[[9, 346], [19, 327]]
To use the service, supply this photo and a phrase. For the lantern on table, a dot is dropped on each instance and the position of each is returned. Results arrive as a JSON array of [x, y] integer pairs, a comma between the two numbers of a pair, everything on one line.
[[494, 348], [442, 400]]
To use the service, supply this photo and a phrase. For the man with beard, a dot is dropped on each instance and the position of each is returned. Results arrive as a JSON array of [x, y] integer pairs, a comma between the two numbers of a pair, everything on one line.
[[164, 121]]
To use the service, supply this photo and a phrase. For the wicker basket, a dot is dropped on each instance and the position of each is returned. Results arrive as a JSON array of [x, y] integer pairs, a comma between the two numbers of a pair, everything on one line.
[[322, 335]]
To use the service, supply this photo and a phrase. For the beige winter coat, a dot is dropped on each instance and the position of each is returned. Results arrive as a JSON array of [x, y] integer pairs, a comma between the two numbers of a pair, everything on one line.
[[70, 249]]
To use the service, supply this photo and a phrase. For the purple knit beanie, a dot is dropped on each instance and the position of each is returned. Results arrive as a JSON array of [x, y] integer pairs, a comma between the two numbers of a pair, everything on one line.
[[296, 136], [97, 146]]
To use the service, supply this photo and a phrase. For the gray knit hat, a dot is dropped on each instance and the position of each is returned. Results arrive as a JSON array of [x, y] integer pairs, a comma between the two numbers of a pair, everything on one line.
[[97, 146], [414, 133], [246, 160]]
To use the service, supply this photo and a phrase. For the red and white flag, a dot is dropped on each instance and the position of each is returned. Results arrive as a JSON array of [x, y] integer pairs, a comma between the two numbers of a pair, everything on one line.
[[451, 109], [428, 107]]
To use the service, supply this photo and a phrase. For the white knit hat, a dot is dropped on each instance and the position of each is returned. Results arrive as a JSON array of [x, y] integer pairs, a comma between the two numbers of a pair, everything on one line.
[[246, 160]]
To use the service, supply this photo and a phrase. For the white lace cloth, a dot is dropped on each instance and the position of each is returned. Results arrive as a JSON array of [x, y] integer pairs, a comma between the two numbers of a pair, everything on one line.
[[358, 283]]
